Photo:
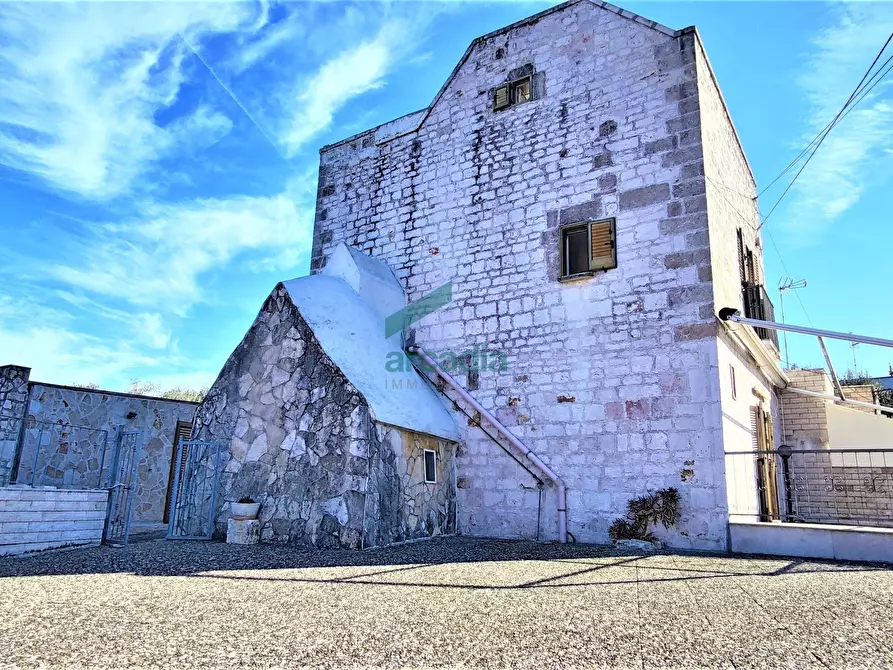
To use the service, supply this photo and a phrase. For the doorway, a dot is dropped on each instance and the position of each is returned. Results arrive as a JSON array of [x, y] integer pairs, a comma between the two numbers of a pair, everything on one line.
[[766, 471], [182, 432]]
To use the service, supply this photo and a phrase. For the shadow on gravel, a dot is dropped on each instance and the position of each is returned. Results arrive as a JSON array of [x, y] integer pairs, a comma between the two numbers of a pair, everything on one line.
[[183, 558]]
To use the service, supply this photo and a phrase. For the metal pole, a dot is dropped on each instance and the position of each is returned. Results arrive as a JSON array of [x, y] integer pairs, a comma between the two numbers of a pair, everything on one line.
[[787, 284], [105, 444], [785, 452], [784, 334], [831, 398], [831, 369], [171, 522], [731, 314]]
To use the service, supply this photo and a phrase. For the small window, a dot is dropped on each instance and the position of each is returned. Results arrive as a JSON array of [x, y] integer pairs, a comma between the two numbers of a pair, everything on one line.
[[588, 246], [521, 91], [734, 382], [430, 466], [513, 93]]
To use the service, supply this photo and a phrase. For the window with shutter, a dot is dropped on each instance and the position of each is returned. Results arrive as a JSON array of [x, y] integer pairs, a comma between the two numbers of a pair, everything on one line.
[[588, 246], [741, 260], [603, 252], [501, 98]]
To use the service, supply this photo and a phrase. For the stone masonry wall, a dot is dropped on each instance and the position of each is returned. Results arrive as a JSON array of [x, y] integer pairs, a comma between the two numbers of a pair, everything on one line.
[[805, 419], [13, 404], [861, 393], [75, 422], [302, 442], [611, 379], [400, 504]]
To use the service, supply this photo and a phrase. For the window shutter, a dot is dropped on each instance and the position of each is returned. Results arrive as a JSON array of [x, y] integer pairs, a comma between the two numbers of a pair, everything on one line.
[[501, 97], [603, 247], [741, 269]]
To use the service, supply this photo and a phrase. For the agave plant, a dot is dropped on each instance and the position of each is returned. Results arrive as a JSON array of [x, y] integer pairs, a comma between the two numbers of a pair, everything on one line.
[[657, 507]]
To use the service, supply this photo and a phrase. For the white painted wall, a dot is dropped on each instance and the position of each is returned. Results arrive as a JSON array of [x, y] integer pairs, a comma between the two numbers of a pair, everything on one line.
[[854, 429], [36, 519], [844, 543]]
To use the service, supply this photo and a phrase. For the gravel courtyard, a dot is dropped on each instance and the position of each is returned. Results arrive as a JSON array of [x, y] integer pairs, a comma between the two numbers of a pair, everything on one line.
[[453, 602]]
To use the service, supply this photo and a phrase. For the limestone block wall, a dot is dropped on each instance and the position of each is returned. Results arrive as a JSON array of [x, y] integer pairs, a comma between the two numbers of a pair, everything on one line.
[[805, 419], [611, 379], [302, 441], [862, 393], [729, 189], [85, 416], [36, 519], [13, 402]]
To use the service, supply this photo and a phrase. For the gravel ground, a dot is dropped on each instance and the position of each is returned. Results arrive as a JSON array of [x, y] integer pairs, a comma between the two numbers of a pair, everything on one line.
[[454, 602]]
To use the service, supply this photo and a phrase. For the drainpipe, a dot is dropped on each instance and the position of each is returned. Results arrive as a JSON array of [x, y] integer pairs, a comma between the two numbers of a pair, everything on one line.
[[546, 471]]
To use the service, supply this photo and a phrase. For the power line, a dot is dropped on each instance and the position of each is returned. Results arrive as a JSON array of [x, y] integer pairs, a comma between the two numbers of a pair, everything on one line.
[[750, 222], [834, 120], [862, 89], [788, 273]]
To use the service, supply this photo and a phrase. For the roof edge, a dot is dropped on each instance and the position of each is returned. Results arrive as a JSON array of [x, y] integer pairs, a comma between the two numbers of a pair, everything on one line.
[[118, 394], [700, 42], [632, 16]]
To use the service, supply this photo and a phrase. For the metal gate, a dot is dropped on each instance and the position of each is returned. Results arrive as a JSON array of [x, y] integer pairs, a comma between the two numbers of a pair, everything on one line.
[[123, 480], [195, 490]]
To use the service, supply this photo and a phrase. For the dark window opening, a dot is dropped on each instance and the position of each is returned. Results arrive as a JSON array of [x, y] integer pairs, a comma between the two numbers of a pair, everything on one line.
[[588, 246], [515, 92], [576, 251], [521, 91], [430, 466]]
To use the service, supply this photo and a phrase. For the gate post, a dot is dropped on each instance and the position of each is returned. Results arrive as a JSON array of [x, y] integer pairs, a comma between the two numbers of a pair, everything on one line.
[[110, 483], [785, 452]]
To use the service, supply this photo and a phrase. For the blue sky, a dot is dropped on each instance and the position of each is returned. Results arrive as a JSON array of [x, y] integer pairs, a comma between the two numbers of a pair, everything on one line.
[[158, 161]]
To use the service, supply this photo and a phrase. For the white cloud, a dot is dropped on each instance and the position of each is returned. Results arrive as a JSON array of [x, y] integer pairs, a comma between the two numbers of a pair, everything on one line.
[[159, 257], [80, 85], [350, 73], [83, 89], [847, 162], [48, 341]]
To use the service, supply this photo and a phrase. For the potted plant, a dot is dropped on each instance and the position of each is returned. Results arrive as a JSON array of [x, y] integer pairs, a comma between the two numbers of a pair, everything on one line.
[[246, 508]]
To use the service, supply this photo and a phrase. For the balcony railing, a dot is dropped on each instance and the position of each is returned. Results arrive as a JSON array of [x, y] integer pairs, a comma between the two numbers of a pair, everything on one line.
[[834, 486], [758, 306]]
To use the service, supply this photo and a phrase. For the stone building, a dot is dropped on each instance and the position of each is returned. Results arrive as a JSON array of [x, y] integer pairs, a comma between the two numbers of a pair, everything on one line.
[[580, 182], [73, 426], [336, 455]]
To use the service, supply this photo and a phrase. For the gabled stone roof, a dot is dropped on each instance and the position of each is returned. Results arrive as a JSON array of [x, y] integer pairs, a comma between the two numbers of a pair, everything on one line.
[[352, 334]]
